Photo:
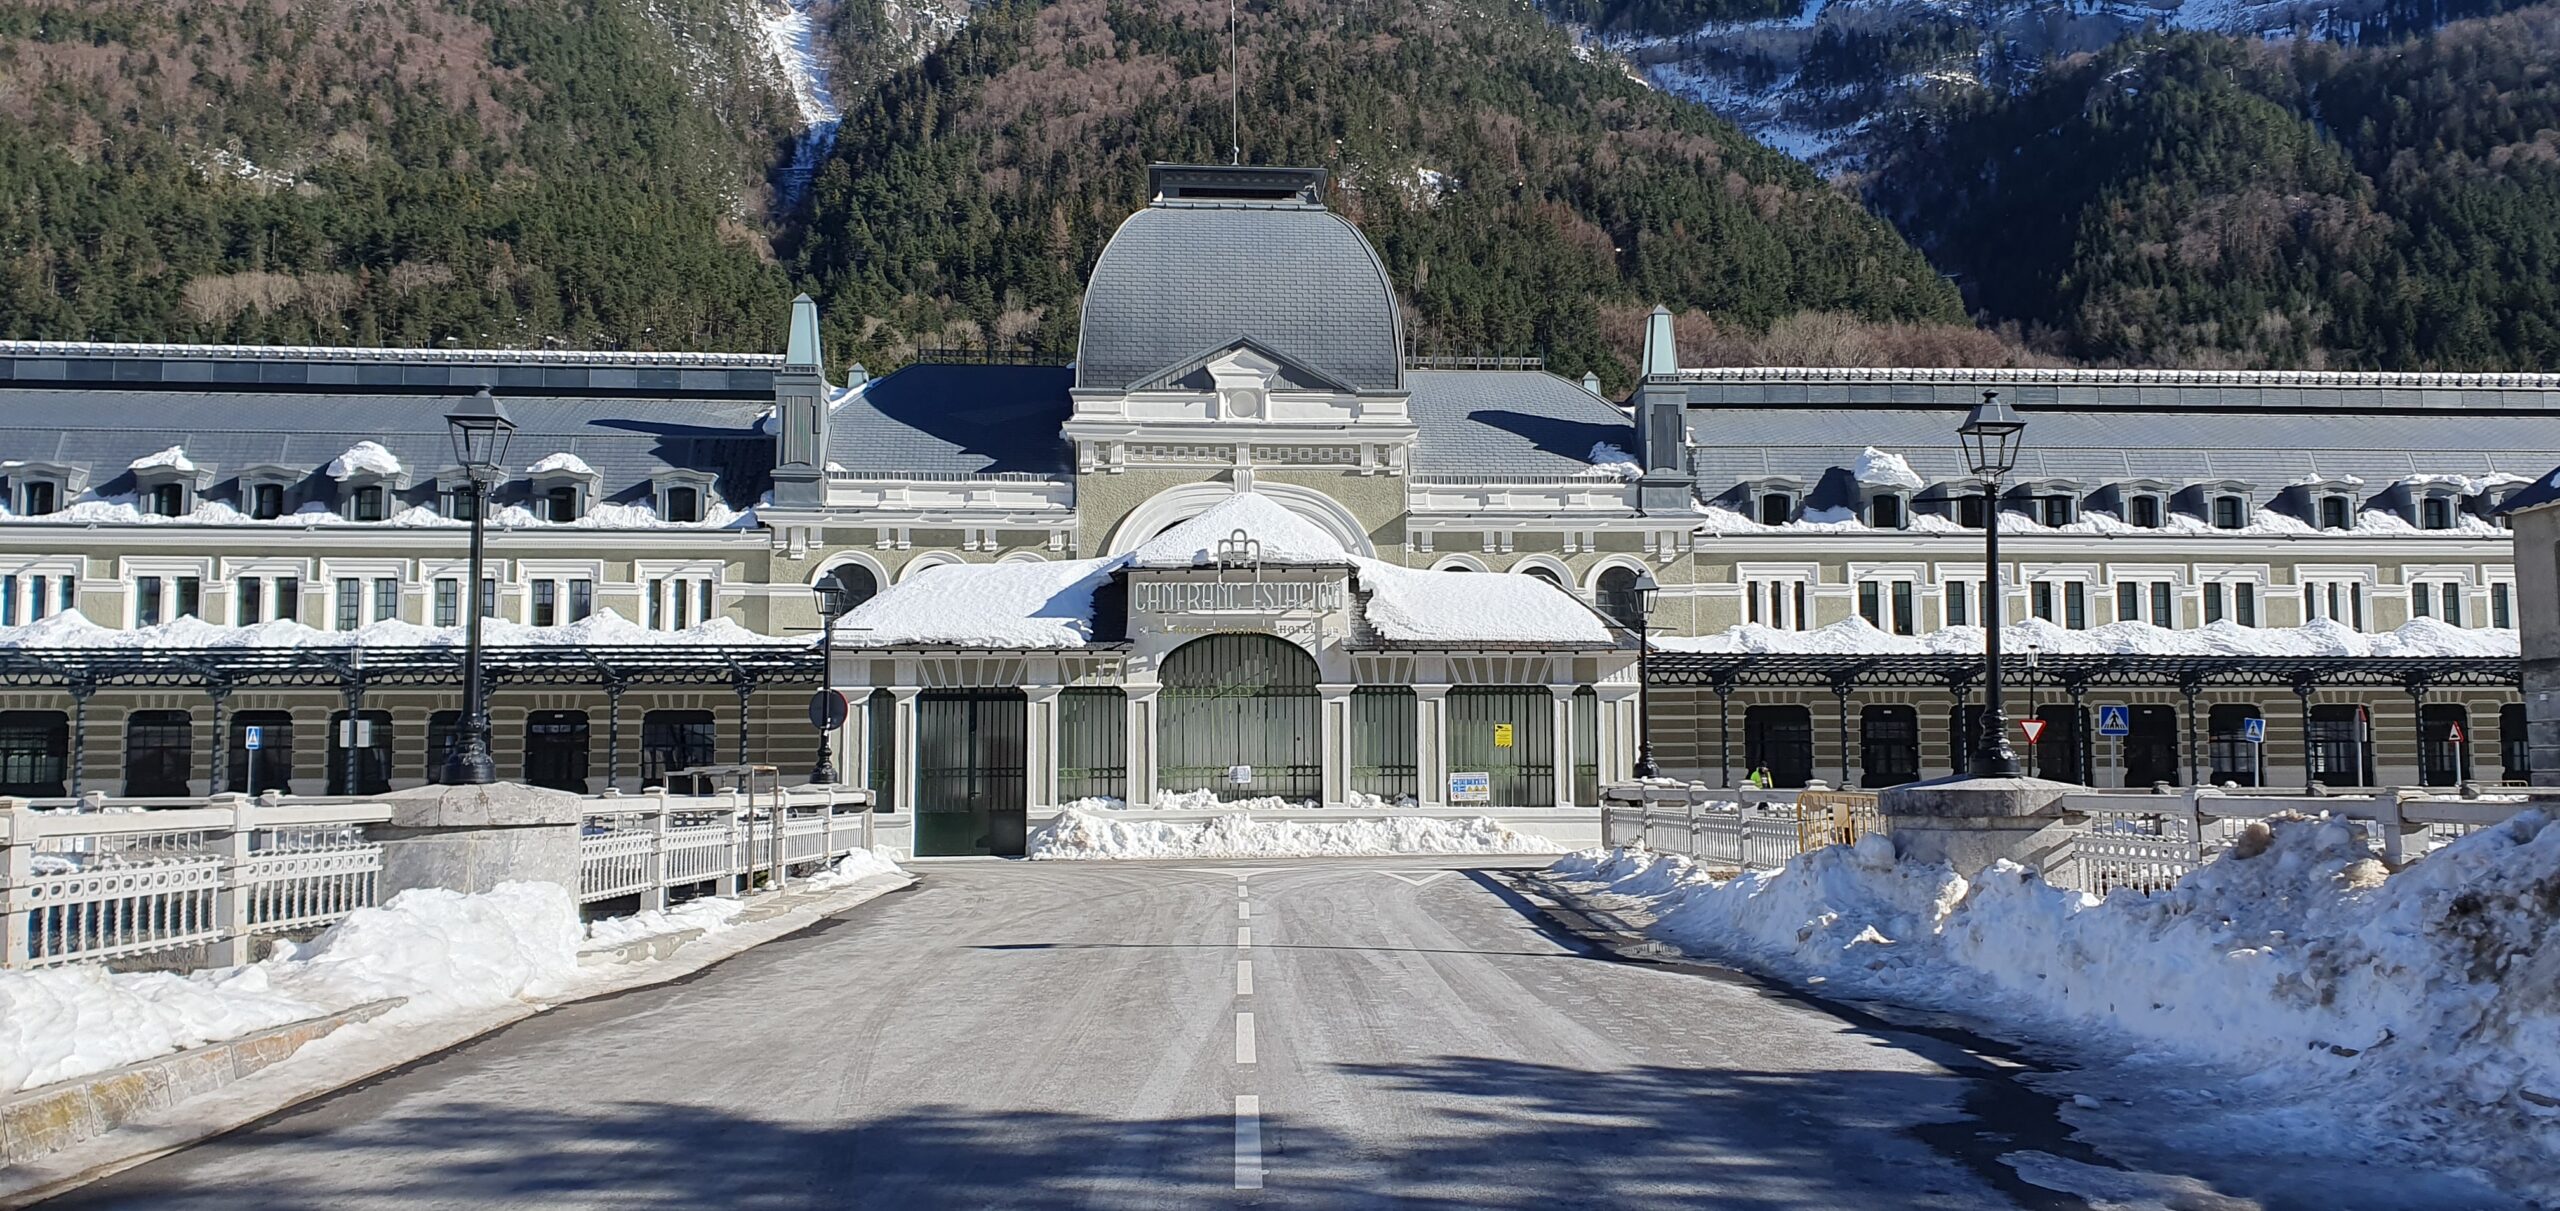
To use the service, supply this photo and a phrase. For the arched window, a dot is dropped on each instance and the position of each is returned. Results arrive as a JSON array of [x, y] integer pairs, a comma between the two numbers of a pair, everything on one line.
[[854, 582], [1545, 573], [1618, 598]]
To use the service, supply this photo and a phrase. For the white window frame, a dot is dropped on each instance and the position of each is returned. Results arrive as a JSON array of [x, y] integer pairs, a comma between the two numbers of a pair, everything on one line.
[[1797, 609], [2145, 575]]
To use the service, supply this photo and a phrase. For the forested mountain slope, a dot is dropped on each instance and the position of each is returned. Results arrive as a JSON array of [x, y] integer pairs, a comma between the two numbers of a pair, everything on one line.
[[503, 172], [2194, 200], [1527, 200]]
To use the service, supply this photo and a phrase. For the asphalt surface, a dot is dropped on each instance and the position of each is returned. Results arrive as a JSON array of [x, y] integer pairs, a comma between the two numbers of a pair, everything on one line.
[[1075, 1035]]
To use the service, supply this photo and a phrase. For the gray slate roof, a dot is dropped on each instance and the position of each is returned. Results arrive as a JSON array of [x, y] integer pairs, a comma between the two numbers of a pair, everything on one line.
[[1181, 280], [1497, 424], [625, 439], [956, 420]]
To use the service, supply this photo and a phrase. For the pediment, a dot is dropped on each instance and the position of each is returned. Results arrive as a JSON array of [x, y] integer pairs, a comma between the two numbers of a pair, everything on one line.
[[1280, 371]]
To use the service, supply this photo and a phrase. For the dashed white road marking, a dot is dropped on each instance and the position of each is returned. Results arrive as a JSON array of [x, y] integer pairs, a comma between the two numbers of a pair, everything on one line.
[[1248, 1142], [1419, 878], [1244, 937], [1244, 912], [1244, 1038], [1244, 977], [1240, 891]]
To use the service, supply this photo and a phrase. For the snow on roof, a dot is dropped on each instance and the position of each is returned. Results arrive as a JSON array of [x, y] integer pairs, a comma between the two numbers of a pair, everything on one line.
[[1415, 606], [1608, 459], [174, 458], [1855, 636], [993, 605], [363, 458], [1285, 536], [605, 628], [563, 461], [1878, 469]]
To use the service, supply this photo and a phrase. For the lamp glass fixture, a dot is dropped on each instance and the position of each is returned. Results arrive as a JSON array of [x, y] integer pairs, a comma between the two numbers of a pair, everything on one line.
[[1991, 435]]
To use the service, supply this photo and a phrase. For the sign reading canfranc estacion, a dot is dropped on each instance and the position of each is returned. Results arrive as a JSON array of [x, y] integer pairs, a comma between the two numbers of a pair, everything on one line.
[[1235, 596]]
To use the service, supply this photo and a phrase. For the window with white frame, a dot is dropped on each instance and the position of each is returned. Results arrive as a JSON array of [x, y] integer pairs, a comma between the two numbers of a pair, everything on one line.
[[159, 599], [2334, 600], [2231, 599], [2337, 513], [558, 601], [1890, 603], [448, 601], [2146, 510], [2436, 512], [2502, 610], [31, 594], [2057, 509], [2154, 601], [1963, 601], [259, 597], [1783, 602], [680, 601], [2230, 512], [1888, 511], [39, 488], [2060, 600], [2440, 599], [1776, 508]]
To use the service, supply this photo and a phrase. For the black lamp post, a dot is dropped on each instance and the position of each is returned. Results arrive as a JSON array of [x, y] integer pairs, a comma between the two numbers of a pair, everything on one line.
[[1991, 439], [834, 602], [1646, 589], [480, 428]]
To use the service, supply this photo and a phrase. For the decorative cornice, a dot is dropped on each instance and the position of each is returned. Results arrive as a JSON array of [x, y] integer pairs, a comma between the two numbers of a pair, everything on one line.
[[2090, 377], [444, 357]]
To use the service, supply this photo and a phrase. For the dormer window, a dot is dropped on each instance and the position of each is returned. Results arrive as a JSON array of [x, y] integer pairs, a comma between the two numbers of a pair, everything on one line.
[[1971, 514], [367, 475], [1887, 511], [266, 501], [2230, 513], [2056, 510], [38, 498], [457, 502], [1776, 508], [367, 503], [562, 485], [2337, 513], [560, 503], [165, 500], [2435, 513], [165, 484], [2145, 511], [684, 505]]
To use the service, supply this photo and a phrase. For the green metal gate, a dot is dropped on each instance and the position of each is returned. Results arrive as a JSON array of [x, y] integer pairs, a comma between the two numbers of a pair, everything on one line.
[[1382, 742], [1240, 700], [1093, 744], [1481, 718], [970, 782]]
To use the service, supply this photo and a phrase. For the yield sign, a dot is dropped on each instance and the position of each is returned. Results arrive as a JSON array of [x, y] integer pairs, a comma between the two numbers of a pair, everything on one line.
[[2034, 728]]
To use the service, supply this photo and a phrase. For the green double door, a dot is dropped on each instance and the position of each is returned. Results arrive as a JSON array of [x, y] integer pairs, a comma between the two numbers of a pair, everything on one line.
[[1236, 703], [971, 785]]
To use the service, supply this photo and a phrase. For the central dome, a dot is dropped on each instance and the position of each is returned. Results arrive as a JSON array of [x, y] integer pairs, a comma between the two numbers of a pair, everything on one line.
[[1228, 256]]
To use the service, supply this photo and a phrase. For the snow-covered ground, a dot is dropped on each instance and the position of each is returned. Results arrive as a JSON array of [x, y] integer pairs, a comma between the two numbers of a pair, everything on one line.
[[1856, 636], [2412, 1009], [1083, 835], [1205, 800]]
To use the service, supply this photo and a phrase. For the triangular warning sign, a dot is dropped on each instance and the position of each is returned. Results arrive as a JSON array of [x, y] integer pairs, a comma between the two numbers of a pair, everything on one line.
[[2034, 728], [2453, 733]]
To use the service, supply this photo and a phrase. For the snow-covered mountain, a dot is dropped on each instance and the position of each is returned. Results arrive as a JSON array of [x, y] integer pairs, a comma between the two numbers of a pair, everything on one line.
[[1811, 82]]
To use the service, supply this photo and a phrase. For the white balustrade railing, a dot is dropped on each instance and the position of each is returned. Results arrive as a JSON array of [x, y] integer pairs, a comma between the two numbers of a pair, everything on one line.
[[89, 885], [1745, 829], [2147, 841], [651, 843]]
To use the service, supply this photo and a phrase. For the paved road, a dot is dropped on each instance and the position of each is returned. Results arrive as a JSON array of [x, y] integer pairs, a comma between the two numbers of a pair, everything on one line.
[[1330, 1034]]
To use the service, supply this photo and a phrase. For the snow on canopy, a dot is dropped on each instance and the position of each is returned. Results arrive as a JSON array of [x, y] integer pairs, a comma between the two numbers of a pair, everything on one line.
[[1415, 606], [1856, 637], [1285, 536], [174, 458], [604, 628], [993, 605], [1878, 469], [563, 461], [363, 458], [1051, 605]]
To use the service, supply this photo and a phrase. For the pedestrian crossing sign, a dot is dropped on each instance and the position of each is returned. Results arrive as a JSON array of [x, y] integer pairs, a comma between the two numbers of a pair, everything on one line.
[[2115, 721], [2254, 730]]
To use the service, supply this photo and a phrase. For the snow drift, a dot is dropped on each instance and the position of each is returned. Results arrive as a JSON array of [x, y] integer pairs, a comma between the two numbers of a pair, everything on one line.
[[2424, 1004], [1079, 835]]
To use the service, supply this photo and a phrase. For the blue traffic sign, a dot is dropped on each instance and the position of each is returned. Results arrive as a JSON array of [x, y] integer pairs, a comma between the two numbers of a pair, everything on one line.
[[2254, 730], [2115, 721], [253, 738]]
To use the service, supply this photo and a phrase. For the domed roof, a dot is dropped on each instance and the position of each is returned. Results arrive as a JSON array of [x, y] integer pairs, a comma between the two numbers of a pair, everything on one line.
[[1196, 273]]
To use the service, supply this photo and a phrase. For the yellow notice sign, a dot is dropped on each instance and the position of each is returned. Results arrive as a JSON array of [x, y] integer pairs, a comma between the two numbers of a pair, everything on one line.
[[1502, 735]]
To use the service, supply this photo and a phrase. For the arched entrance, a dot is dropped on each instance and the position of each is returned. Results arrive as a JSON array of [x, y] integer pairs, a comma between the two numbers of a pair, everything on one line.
[[1240, 704]]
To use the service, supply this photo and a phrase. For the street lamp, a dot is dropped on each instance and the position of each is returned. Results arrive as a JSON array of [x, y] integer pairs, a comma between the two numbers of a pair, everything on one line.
[[826, 711], [1991, 438], [1646, 590], [480, 429]]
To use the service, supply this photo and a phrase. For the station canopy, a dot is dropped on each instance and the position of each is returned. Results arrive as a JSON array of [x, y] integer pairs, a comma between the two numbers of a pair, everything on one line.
[[1079, 603]]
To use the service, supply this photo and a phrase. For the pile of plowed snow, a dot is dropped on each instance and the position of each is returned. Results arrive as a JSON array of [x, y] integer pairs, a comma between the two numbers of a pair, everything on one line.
[[2421, 1004], [1082, 835]]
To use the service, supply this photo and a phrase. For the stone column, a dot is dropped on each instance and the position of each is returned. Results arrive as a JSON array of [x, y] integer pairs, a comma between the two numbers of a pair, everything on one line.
[[853, 744], [1618, 724], [1141, 740], [1969, 822], [902, 797], [472, 838], [1335, 712], [1431, 745], [1040, 743], [1565, 755]]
